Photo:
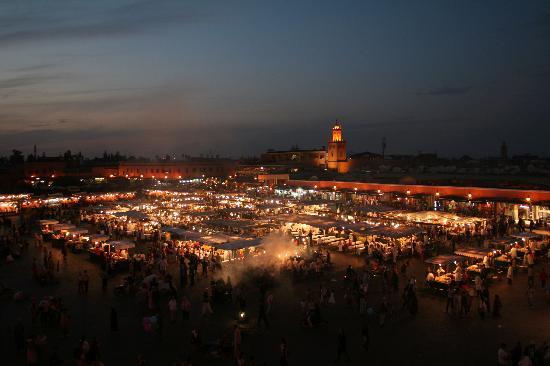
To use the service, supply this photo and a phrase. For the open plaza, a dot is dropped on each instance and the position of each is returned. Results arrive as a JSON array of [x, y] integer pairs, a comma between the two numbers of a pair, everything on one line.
[[210, 272]]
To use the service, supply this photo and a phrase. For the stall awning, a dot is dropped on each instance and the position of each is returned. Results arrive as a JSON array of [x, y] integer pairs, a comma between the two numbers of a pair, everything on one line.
[[312, 220], [98, 237], [395, 232], [121, 244], [77, 230], [217, 238], [365, 209], [542, 232], [444, 259], [231, 223], [240, 244], [48, 222], [182, 233], [477, 253], [132, 214], [526, 235], [63, 226]]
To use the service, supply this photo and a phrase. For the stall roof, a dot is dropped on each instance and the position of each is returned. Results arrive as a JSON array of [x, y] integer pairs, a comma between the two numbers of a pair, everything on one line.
[[98, 237], [188, 234], [373, 208], [526, 235], [235, 210], [317, 202], [122, 244], [478, 253], [444, 259], [504, 241], [48, 222], [138, 215], [63, 226], [433, 217], [77, 230], [542, 232], [240, 244], [268, 206], [217, 238], [232, 223], [395, 232], [312, 220], [200, 213]]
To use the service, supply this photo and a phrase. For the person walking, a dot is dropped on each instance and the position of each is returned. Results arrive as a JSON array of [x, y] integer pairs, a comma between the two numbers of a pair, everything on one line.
[[341, 346], [237, 340], [262, 316], [85, 281], [497, 305], [542, 277], [185, 307], [530, 295], [104, 280], [206, 307], [510, 274], [365, 337]]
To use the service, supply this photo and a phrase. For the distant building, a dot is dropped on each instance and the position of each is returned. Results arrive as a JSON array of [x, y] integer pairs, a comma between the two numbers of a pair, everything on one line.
[[45, 167], [177, 169], [315, 158], [337, 154]]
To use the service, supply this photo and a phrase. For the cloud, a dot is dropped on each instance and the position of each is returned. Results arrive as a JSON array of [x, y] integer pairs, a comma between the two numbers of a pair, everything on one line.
[[91, 23], [28, 80], [36, 67], [448, 90]]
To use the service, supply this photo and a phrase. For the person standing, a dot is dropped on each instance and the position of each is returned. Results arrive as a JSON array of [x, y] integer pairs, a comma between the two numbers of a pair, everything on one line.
[[497, 305], [530, 295], [85, 281], [503, 357], [542, 277], [104, 280], [173, 308], [114, 320], [365, 337], [206, 306], [262, 316], [283, 348], [185, 307], [237, 340], [510, 274]]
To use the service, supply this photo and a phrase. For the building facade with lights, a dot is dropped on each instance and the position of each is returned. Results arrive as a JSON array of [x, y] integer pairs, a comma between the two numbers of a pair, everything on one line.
[[337, 158], [333, 158], [177, 169]]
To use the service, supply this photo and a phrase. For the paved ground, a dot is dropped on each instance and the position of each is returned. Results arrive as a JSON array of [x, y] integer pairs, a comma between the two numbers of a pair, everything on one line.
[[432, 337]]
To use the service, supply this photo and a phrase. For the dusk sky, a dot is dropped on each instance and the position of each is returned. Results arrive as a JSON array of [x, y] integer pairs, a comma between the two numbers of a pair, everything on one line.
[[238, 77]]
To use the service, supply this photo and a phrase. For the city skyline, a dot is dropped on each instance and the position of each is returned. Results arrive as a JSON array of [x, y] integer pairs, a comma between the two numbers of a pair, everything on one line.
[[153, 77]]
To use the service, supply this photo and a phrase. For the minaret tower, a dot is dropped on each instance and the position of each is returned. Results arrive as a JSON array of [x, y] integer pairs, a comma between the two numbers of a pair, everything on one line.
[[336, 155]]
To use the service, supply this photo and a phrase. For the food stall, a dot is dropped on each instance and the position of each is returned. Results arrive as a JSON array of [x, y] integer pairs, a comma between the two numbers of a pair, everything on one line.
[[479, 261], [113, 254], [239, 249], [443, 269], [76, 239], [46, 227], [59, 237]]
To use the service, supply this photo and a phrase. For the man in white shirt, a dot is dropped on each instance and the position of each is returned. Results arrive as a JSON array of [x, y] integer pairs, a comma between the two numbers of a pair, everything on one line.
[[430, 277], [514, 252]]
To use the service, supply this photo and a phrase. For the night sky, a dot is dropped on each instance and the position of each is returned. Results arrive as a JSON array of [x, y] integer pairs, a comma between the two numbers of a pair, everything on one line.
[[238, 77]]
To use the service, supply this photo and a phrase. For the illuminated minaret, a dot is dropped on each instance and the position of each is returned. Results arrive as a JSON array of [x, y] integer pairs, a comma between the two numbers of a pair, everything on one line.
[[336, 155]]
